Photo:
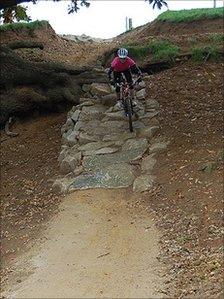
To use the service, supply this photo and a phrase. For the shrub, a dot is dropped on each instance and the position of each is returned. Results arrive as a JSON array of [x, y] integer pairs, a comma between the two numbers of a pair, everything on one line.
[[22, 25], [139, 52], [200, 54], [163, 50], [217, 38]]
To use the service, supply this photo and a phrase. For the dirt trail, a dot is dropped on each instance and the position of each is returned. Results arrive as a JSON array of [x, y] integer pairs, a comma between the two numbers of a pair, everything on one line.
[[102, 243]]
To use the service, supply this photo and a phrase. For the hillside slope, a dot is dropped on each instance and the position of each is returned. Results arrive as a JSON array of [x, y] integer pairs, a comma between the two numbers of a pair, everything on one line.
[[56, 48], [169, 29]]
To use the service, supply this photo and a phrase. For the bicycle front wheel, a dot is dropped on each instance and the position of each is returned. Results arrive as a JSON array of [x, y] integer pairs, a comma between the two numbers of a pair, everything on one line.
[[129, 111]]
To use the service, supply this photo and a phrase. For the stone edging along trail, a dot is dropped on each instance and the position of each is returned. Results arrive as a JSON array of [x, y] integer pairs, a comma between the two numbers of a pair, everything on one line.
[[98, 151]]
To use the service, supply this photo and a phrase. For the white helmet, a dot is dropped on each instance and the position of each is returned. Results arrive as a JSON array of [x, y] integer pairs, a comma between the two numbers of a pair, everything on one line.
[[122, 53]]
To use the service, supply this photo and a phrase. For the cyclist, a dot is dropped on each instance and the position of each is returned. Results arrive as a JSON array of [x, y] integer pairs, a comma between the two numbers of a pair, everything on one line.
[[123, 64]]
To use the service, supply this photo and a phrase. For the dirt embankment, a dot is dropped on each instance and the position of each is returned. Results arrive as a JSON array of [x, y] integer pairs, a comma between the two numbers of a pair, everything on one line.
[[189, 198], [43, 78], [171, 30], [56, 48]]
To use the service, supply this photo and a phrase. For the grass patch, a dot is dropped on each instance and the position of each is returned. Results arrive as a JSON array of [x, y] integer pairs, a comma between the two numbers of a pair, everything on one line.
[[193, 40], [217, 37], [138, 52], [163, 50], [22, 25], [200, 54], [190, 15], [160, 50]]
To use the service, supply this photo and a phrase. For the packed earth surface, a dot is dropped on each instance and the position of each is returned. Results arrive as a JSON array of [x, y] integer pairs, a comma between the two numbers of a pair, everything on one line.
[[117, 214]]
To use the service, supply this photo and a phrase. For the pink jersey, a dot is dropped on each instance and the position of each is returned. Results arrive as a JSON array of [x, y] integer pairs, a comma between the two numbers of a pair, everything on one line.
[[118, 66]]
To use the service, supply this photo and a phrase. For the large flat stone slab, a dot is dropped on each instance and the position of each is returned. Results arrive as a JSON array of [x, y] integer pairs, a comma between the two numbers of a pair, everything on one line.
[[113, 176], [100, 89], [132, 144], [100, 162], [116, 115], [84, 138], [93, 146], [101, 151], [92, 112], [97, 127]]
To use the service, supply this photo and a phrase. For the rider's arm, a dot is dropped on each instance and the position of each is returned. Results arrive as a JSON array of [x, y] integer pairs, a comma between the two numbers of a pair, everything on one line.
[[110, 73], [136, 70]]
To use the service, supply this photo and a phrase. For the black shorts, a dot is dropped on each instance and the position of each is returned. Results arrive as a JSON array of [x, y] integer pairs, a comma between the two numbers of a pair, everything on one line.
[[128, 77]]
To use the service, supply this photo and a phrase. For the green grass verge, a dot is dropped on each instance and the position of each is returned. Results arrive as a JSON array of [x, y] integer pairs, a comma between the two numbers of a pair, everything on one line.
[[138, 52], [163, 50], [22, 25], [160, 50], [217, 37], [179, 16], [200, 54]]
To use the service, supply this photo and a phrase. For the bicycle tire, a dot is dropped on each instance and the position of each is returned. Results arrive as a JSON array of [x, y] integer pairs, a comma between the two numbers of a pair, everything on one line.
[[129, 111]]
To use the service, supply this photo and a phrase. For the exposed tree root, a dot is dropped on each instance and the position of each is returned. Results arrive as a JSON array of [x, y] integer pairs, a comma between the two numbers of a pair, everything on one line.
[[24, 44], [7, 128]]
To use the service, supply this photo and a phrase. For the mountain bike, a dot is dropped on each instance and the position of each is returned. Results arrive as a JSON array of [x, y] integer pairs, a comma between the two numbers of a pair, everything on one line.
[[127, 103]]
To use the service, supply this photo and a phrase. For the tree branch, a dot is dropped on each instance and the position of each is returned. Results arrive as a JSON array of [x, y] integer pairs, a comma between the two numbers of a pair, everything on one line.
[[8, 3]]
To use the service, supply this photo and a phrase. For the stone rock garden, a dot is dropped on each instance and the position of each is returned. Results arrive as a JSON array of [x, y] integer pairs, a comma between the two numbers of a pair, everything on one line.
[[98, 151]]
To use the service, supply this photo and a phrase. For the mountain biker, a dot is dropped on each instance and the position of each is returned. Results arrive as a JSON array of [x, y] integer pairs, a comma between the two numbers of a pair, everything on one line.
[[123, 64]]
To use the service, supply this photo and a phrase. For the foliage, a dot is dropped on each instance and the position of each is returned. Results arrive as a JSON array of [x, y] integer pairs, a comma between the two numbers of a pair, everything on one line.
[[200, 54], [217, 37], [163, 50], [158, 3], [193, 40], [191, 15], [74, 4], [18, 26], [138, 52], [14, 13], [160, 50]]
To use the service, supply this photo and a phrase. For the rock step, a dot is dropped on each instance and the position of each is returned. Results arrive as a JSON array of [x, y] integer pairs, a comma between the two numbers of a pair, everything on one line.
[[98, 150]]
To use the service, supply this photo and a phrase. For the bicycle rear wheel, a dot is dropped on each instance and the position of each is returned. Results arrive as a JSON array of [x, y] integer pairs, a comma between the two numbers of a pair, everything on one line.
[[129, 111]]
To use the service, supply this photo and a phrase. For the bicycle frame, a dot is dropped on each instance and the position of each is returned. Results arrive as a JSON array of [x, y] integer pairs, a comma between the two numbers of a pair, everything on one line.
[[124, 87], [127, 100], [125, 90]]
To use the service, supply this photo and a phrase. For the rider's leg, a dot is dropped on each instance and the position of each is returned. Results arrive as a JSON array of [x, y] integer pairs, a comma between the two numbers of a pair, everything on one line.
[[129, 79], [117, 79]]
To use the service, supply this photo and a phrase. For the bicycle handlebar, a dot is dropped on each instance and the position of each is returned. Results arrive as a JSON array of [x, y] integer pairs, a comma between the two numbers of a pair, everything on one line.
[[134, 82]]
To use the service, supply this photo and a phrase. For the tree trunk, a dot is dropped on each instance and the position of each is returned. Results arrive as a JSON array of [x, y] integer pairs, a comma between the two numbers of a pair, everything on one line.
[[7, 15]]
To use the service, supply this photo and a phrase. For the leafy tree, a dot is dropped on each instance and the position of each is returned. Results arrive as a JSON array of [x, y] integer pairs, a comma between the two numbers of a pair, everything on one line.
[[14, 13], [74, 5], [158, 3]]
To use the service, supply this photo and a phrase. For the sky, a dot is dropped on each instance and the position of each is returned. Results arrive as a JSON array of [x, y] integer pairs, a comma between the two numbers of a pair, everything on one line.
[[104, 18]]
